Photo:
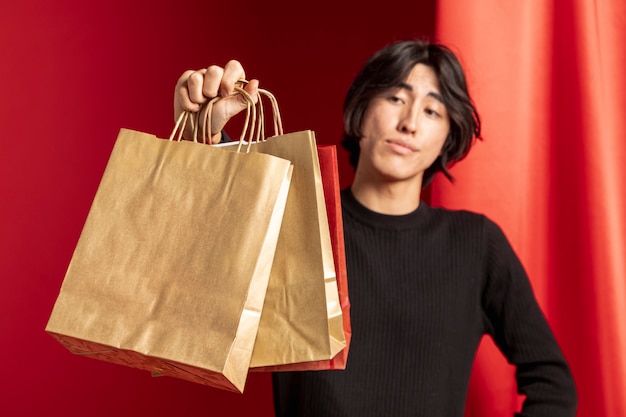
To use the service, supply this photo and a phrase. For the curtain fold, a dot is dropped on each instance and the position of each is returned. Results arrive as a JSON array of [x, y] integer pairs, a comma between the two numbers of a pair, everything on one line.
[[548, 80]]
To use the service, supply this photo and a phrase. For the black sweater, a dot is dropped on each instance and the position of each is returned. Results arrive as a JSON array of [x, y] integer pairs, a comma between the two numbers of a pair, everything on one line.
[[424, 288]]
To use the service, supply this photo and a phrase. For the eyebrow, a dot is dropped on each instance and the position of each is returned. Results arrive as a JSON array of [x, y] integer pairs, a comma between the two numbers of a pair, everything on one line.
[[432, 94]]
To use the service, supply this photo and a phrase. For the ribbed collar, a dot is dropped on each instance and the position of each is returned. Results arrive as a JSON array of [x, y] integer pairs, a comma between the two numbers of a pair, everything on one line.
[[364, 215]]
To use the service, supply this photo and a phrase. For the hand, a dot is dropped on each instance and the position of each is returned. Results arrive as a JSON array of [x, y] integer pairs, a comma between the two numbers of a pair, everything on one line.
[[196, 87]]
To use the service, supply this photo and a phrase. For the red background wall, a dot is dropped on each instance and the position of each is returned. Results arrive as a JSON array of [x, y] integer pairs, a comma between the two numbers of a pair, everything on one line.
[[72, 73]]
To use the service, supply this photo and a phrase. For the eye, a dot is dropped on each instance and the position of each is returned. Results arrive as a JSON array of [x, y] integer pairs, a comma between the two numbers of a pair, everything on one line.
[[432, 112], [394, 99]]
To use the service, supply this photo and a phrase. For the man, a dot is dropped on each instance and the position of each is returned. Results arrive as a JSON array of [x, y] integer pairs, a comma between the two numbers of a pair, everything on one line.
[[425, 283]]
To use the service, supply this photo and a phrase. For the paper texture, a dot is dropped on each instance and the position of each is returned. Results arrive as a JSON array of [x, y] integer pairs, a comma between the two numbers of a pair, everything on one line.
[[332, 193], [171, 268], [302, 317]]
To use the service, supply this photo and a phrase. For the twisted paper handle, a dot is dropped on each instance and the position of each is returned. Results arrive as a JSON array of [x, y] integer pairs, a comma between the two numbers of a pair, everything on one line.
[[255, 118]]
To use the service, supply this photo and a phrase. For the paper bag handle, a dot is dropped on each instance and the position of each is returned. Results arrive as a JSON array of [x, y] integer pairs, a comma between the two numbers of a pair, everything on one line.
[[278, 123], [249, 123], [260, 114], [206, 109]]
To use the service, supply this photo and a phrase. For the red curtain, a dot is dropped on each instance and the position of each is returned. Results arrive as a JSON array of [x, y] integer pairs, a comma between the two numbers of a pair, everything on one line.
[[548, 79]]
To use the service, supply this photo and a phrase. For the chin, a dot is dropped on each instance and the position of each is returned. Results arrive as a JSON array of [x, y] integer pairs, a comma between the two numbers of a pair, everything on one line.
[[400, 176]]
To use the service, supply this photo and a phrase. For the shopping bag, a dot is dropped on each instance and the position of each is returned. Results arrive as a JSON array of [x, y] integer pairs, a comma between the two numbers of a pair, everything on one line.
[[332, 194], [302, 318], [171, 268]]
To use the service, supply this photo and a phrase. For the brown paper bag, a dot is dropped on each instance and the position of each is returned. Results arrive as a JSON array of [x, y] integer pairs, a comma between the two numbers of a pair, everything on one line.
[[171, 269], [327, 155], [302, 317]]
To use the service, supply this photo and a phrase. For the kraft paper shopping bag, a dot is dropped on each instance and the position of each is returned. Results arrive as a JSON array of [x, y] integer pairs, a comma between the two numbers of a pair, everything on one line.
[[302, 316], [171, 269], [332, 194]]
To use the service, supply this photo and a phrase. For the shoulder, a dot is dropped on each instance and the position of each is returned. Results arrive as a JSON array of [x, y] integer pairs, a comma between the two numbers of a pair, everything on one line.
[[472, 227], [457, 215], [462, 220], [465, 218]]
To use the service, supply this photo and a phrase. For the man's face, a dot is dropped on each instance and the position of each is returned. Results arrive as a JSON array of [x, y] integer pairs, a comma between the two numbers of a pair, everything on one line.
[[404, 130]]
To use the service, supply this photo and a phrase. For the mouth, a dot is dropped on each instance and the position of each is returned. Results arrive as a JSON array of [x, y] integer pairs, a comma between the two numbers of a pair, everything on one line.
[[401, 146]]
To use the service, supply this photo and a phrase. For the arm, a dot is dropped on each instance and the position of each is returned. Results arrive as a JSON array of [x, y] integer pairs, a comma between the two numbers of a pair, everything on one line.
[[523, 334], [197, 87]]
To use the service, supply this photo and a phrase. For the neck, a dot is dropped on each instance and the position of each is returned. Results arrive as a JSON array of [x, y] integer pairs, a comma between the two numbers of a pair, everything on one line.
[[395, 198]]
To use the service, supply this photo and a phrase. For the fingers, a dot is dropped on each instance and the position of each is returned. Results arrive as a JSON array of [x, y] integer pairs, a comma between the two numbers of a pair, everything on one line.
[[196, 87], [225, 109], [214, 81], [221, 82], [252, 88], [182, 99]]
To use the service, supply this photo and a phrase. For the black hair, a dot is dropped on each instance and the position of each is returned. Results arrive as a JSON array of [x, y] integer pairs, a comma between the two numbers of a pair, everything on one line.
[[388, 68]]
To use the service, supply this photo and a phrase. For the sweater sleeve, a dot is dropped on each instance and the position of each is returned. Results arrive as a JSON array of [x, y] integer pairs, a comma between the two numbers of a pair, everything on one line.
[[225, 137], [522, 333]]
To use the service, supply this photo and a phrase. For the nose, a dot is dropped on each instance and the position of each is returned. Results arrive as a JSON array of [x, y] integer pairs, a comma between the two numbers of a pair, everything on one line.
[[409, 120]]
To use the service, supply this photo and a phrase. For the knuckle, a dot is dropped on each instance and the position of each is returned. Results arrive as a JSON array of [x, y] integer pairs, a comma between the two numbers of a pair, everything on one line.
[[214, 71], [195, 78], [234, 63], [184, 77]]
